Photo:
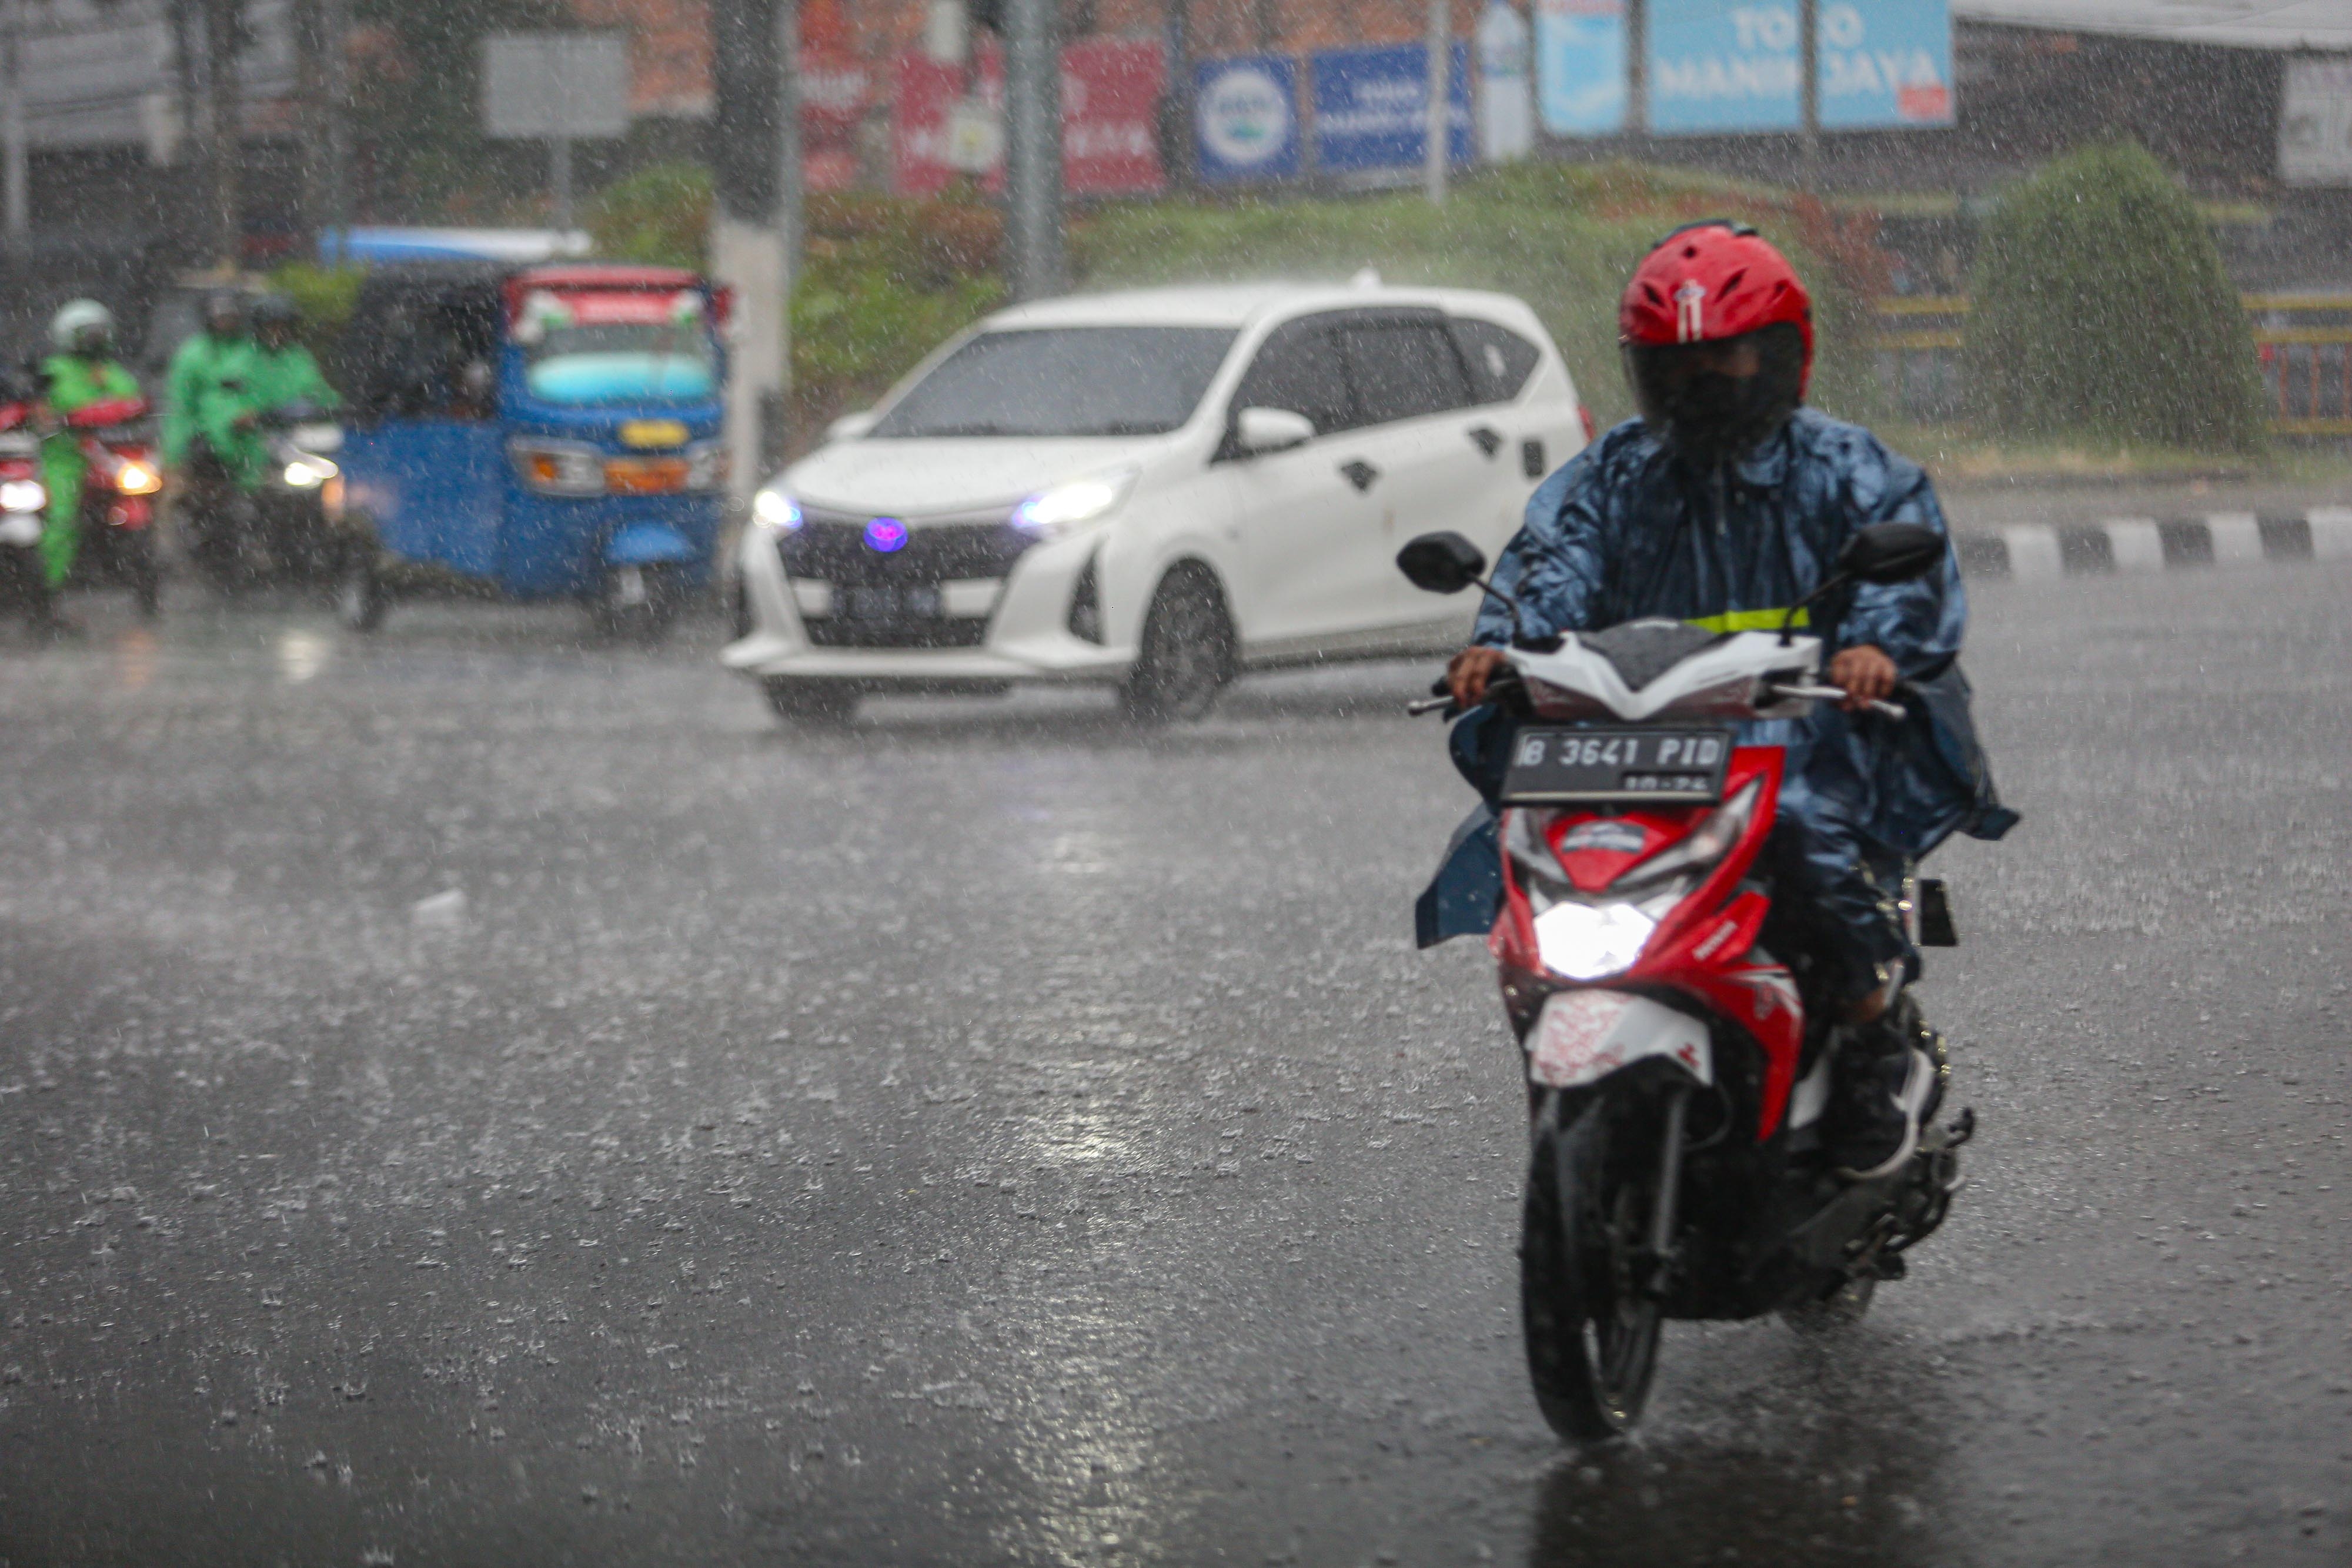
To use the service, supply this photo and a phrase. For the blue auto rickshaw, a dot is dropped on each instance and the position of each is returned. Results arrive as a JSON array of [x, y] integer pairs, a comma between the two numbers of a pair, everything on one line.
[[530, 433]]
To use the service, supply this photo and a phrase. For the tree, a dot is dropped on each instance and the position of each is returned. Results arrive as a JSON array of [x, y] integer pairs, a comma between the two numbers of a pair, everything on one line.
[[2102, 308]]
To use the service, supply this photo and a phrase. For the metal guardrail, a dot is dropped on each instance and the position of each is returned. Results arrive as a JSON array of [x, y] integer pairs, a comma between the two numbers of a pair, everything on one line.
[[2304, 342]]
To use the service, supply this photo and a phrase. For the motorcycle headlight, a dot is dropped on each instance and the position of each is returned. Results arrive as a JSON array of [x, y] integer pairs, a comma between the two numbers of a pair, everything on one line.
[[775, 511], [137, 478], [558, 467], [1063, 507], [22, 496], [308, 472], [1590, 941]]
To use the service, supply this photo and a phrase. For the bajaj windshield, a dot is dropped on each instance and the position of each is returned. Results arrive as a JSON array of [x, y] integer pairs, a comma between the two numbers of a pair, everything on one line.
[[623, 363]]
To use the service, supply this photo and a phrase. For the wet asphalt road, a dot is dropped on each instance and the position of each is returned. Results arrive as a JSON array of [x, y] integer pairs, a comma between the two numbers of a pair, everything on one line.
[[992, 1137]]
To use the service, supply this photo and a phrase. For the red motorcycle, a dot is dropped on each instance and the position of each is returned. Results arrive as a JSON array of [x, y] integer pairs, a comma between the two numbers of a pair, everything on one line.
[[121, 481], [24, 501], [1675, 1084]]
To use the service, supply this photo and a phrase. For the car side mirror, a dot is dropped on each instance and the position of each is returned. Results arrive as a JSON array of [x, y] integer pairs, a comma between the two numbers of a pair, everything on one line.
[[1442, 563], [1886, 553], [853, 426], [1258, 431]]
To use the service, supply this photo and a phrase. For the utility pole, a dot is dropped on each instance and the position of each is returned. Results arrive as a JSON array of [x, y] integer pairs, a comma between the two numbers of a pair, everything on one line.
[[1033, 151], [1809, 87], [1637, 68], [790, 183], [17, 202], [1181, 170], [1436, 129], [746, 157], [334, 88], [227, 116]]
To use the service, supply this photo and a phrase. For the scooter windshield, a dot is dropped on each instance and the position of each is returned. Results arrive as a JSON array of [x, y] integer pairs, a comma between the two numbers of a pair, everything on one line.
[[622, 362]]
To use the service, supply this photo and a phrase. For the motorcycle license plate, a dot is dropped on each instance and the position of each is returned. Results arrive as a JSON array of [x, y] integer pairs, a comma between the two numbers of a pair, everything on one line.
[[1559, 765], [889, 604]]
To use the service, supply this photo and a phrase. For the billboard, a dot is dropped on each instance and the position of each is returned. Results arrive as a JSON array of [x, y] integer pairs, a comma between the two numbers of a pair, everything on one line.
[[2315, 123], [1371, 108], [1245, 119], [1580, 67], [1884, 63], [1717, 67], [1723, 67], [1110, 118]]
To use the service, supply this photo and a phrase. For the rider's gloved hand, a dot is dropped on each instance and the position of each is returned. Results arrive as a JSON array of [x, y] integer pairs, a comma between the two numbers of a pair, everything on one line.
[[1467, 675], [1865, 674]]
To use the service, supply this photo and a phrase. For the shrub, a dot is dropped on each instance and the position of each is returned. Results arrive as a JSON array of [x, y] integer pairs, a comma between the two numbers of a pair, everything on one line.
[[324, 295], [2101, 309]]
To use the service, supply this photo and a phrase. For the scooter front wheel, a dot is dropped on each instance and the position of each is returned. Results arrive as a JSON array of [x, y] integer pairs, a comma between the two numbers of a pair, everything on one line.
[[1591, 1328]]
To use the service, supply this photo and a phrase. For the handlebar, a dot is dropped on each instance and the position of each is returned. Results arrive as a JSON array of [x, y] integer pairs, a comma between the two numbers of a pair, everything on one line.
[[1837, 694]]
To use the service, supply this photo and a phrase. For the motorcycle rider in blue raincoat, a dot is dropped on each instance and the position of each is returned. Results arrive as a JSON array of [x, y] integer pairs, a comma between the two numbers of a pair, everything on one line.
[[1724, 503]]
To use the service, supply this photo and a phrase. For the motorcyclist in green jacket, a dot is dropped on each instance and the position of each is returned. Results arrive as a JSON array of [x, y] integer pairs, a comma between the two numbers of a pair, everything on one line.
[[274, 372], [197, 368], [83, 371]]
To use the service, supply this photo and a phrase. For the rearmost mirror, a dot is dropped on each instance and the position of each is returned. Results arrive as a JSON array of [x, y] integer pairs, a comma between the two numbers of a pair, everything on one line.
[[1261, 430], [1442, 563], [1891, 552]]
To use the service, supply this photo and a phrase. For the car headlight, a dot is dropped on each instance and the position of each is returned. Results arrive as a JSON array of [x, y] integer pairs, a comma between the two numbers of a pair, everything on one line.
[[1061, 508], [22, 496], [558, 467], [775, 511], [1587, 941]]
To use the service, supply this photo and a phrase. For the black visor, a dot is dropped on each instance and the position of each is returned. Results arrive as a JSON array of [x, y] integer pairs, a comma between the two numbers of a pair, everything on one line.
[[1695, 406]]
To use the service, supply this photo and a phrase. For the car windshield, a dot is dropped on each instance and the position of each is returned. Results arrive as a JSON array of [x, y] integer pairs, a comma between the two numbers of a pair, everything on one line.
[[1064, 381], [623, 361]]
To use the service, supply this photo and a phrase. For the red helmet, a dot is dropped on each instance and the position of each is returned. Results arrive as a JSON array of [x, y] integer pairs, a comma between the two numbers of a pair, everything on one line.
[[1712, 283]]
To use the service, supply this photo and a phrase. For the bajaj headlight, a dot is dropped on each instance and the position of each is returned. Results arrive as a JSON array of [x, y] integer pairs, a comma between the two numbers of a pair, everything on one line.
[[706, 466], [558, 467]]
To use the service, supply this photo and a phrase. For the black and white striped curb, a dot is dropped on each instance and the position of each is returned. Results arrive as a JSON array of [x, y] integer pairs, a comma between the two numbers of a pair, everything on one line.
[[2149, 544]]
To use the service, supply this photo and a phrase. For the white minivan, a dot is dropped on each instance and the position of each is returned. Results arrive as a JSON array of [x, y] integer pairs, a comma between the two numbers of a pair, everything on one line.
[[1154, 490]]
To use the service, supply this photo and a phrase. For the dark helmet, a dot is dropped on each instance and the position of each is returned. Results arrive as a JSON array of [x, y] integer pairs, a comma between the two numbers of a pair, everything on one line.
[[275, 310], [1704, 297], [225, 313]]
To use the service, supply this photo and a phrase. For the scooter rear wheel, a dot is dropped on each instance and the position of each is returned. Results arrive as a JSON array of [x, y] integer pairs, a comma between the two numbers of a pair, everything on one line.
[[1592, 1331]]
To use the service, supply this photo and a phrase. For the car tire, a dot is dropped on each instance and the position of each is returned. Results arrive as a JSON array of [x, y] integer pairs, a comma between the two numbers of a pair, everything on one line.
[[811, 705], [1186, 654]]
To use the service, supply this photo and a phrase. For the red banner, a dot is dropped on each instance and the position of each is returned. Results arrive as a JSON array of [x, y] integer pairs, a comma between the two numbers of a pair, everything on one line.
[[1110, 109]]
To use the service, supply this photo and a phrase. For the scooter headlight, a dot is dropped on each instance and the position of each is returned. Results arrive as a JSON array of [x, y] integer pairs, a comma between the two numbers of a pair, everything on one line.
[[309, 472], [137, 478], [1590, 941], [22, 496]]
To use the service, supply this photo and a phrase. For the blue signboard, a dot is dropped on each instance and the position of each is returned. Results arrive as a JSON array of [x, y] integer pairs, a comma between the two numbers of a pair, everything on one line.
[[1580, 67], [1371, 108], [1717, 67], [1245, 119], [1885, 62]]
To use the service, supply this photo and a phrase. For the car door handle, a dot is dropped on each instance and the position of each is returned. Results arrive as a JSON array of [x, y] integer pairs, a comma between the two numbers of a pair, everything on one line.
[[1360, 474], [1489, 439]]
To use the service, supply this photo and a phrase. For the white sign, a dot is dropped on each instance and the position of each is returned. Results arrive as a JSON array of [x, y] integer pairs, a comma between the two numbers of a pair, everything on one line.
[[975, 136], [1506, 102], [555, 84], [1244, 116], [2315, 123]]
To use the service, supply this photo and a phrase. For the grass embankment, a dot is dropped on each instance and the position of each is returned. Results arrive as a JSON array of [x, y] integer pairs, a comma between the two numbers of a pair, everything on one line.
[[886, 280]]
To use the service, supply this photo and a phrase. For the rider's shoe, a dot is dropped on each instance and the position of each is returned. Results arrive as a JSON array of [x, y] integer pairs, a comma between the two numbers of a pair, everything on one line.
[[1879, 1094]]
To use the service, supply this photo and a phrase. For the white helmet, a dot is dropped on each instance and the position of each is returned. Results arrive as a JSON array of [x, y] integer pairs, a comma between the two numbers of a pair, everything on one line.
[[77, 316]]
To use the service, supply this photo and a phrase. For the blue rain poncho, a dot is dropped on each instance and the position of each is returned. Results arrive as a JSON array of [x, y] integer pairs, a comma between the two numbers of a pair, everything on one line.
[[1627, 531]]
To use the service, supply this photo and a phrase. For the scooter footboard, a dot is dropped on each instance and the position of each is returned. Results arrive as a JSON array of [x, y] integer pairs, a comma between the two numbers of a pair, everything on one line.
[[1582, 1037]]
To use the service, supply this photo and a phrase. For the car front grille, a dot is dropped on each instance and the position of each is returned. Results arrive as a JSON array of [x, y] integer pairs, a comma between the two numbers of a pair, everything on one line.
[[829, 547]]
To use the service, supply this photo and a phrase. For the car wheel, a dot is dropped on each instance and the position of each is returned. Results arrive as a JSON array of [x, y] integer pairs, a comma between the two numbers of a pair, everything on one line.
[[1186, 652], [812, 704]]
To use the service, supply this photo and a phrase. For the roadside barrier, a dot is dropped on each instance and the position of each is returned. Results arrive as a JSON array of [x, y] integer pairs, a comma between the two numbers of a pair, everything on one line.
[[2124, 545]]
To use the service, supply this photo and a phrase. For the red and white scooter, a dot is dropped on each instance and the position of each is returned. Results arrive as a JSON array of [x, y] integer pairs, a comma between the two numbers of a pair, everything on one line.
[[1675, 1087], [121, 477]]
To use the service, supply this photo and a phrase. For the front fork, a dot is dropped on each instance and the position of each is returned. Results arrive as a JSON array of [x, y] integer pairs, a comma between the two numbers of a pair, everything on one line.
[[1658, 1257]]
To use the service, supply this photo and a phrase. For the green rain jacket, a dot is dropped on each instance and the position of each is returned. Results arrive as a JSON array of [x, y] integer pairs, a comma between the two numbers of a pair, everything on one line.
[[259, 380], [197, 369], [74, 383]]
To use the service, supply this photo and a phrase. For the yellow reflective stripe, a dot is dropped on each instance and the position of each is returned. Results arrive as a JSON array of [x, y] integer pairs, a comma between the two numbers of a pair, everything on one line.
[[1749, 621]]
